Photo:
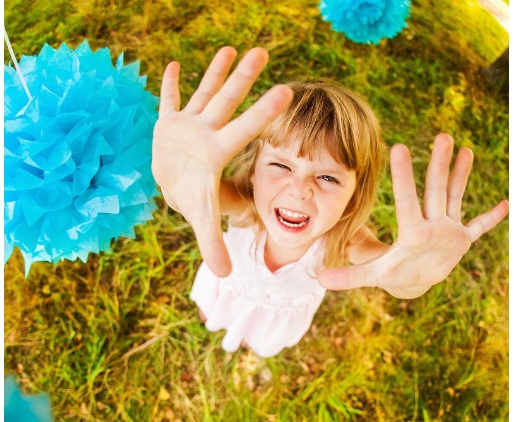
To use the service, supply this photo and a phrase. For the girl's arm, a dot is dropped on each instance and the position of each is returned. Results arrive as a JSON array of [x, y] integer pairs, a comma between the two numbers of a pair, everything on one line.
[[231, 203]]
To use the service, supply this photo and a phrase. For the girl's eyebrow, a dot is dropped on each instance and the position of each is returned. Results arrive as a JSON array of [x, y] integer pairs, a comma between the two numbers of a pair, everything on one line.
[[341, 171], [273, 155]]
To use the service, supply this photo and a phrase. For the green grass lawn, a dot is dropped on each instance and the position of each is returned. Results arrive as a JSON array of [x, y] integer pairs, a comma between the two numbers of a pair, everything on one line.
[[117, 338]]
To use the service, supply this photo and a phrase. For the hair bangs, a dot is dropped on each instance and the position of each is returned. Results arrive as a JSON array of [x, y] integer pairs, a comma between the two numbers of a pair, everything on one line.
[[312, 123]]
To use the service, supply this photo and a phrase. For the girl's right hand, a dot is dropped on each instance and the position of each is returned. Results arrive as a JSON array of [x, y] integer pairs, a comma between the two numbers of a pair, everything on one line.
[[192, 146]]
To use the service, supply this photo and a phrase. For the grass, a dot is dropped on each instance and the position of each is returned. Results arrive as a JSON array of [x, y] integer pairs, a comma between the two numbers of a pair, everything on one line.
[[117, 338]]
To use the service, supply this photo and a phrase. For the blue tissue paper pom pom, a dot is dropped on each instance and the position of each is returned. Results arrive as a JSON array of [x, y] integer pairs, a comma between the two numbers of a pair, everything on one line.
[[77, 155], [20, 407], [366, 21]]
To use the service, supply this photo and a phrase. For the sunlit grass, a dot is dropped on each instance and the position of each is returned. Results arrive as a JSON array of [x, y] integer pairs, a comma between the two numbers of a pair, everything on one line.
[[117, 338]]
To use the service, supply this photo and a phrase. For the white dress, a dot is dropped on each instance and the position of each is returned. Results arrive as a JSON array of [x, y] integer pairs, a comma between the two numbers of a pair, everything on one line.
[[268, 310]]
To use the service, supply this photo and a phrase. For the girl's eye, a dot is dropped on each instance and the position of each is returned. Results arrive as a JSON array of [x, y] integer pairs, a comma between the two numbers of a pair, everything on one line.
[[329, 179], [282, 166]]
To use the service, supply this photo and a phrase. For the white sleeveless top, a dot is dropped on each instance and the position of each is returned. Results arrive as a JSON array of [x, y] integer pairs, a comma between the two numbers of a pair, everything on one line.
[[268, 310]]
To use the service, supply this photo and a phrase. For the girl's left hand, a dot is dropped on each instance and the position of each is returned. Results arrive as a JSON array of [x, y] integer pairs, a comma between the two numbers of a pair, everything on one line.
[[431, 240]]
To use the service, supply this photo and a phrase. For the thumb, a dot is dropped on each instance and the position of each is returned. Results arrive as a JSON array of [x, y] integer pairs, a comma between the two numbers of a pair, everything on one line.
[[212, 248], [346, 278], [247, 126]]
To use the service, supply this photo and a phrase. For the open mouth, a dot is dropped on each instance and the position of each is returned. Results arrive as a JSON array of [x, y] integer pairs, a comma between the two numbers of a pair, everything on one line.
[[291, 219]]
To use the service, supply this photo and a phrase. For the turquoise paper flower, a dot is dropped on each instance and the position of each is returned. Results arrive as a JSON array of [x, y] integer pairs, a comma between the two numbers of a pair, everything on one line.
[[77, 155], [19, 407], [366, 21]]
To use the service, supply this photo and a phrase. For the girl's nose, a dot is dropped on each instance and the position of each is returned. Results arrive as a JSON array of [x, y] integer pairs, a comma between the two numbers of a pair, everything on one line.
[[300, 187]]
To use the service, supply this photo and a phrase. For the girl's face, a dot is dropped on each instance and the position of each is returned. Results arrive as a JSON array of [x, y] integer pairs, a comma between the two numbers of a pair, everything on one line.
[[298, 199]]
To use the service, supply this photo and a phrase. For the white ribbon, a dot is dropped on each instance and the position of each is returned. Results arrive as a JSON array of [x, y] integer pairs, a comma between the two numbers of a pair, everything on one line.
[[18, 70]]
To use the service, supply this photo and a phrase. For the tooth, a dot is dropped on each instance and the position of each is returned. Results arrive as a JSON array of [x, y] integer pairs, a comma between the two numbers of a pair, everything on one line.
[[293, 225], [292, 213]]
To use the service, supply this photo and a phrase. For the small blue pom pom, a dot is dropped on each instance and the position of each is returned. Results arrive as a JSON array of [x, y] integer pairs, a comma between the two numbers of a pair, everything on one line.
[[77, 155], [21, 407], [366, 21]]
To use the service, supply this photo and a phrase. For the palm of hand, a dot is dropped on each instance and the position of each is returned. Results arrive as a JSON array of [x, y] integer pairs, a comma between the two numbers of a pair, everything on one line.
[[423, 255], [195, 167]]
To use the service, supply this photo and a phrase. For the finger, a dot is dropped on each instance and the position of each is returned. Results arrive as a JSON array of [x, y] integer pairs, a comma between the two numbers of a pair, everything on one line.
[[406, 199], [436, 181], [170, 93], [212, 80], [236, 88], [246, 127], [488, 220], [458, 181], [347, 278], [212, 248]]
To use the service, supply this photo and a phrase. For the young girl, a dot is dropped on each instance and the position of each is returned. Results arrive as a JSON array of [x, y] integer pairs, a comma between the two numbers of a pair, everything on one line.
[[304, 188], [297, 201]]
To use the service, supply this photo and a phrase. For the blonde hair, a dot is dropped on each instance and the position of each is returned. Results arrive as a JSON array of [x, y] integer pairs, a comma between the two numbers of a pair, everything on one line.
[[323, 117]]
